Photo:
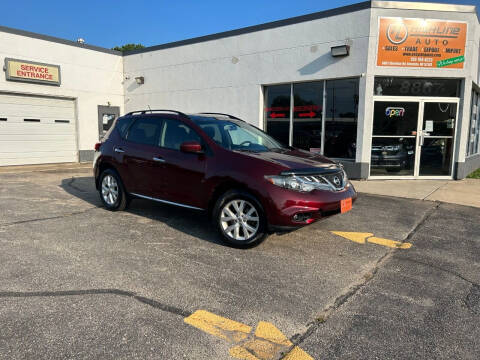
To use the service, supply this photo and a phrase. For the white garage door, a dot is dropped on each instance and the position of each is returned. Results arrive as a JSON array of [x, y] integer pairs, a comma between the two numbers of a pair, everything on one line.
[[36, 130]]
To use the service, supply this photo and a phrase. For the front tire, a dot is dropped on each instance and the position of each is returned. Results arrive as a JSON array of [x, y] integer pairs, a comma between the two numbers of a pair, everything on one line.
[[239, 219], [112, 192]]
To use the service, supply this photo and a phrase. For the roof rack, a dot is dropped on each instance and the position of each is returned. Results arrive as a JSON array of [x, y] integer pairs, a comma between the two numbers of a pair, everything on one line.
[[155, 110], [215, 113]]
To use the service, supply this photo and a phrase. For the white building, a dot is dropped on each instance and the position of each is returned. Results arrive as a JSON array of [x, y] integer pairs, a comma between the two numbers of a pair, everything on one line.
[[400, 99]]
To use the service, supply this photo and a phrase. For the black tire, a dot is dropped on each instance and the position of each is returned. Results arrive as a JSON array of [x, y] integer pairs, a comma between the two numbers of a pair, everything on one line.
[[121, 201], [249, 201]]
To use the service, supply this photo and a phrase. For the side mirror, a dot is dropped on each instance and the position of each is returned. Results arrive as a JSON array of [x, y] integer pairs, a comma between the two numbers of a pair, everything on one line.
[[193, 147]]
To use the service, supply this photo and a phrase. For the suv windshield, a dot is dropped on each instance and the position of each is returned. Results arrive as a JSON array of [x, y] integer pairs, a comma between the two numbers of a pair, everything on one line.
[[236, 135]]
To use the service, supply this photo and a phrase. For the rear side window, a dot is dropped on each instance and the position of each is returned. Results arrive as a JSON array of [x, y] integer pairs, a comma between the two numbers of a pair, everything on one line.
[[123, 124], [145, 131], [175, 132]]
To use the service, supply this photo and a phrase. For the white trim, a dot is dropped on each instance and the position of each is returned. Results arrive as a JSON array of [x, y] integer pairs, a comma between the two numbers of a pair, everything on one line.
[[167, 202]]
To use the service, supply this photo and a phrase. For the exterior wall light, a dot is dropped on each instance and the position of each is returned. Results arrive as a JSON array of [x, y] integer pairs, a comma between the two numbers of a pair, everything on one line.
[[342, 50], [140, 80]]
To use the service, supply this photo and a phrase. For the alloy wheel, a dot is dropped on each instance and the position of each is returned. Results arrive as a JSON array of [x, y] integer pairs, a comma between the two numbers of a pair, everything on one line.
[[239, 220], [110, 190]]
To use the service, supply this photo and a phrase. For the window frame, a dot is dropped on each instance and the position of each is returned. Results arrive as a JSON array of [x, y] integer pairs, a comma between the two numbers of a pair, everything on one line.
[[135, 120], [164, 121]]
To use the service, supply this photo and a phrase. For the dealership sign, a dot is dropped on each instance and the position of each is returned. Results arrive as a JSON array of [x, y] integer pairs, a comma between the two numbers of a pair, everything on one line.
[[27, 71], [421, 43]]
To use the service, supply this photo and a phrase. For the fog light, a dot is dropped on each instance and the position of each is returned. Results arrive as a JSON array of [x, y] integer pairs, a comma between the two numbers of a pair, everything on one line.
[[303, 217]]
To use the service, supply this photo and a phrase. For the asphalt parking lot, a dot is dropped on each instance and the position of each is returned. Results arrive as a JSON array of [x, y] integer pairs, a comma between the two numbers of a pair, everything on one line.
[[154, 282]]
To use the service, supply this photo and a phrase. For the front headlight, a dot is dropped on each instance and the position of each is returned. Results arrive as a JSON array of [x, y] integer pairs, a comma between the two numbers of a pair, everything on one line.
[[290, 182]]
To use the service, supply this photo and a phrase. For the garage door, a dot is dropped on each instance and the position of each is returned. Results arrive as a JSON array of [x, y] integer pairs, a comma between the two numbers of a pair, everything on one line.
[[36, 130]]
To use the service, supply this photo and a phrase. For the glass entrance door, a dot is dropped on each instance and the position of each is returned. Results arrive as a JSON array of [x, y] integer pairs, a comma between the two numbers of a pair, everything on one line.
[[437, 138], [413, 138], [395, 126]]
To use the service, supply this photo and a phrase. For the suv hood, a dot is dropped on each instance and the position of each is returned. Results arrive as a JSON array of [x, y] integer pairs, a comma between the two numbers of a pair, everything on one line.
[[294, 159]]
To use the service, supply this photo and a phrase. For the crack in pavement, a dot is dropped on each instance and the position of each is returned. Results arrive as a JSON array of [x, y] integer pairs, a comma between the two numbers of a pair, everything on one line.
[[340, 300], [50, 218], [153, 303], [451, 272]]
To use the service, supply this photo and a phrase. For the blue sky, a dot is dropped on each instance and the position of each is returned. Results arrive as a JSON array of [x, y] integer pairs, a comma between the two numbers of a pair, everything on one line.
[[115, 22]]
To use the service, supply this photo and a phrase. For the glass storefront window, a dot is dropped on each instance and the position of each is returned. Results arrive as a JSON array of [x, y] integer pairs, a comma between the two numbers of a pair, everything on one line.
[[473, 141], [277, 112], [392, 156], [341, 118], [307, 116], [395, 118], [396, 86]]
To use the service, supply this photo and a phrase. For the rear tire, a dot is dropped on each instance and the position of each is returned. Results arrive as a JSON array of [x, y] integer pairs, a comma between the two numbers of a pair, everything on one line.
[[239, 218], [111, 190]]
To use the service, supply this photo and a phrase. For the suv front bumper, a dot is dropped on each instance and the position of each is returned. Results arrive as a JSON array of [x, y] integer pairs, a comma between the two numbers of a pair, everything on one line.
[[309, 207]]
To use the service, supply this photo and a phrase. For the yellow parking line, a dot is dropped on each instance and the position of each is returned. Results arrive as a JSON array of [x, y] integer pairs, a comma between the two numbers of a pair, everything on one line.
[[218, 326], [267, 342], [363, 238], [358, 237], [390, 243]]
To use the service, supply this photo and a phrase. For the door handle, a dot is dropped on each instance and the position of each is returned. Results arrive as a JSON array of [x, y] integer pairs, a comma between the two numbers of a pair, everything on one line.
[[158, 159], [119, 150], [422, 137]]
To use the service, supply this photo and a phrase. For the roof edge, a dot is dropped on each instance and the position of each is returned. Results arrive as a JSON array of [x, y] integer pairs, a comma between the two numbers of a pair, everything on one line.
[[249, 29], [58, 40]]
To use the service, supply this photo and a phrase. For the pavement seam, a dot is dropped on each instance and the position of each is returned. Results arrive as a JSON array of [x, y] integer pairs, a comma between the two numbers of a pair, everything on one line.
[[434, 191], [147, 301], [340, 300]]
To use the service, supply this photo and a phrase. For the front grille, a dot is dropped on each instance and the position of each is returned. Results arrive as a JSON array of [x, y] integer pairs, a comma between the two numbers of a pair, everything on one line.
[[313, 178], [336, 179]]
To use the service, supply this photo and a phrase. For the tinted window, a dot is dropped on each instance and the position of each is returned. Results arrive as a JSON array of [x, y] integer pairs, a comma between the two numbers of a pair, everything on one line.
[[395, 118], [145, 131], [175, 133], [123, 124], [341, 118], [277, 112], [307, 115], [416, 87]]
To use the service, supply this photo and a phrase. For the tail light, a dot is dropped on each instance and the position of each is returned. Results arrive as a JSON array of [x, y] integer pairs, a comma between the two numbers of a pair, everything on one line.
[[97, 146]]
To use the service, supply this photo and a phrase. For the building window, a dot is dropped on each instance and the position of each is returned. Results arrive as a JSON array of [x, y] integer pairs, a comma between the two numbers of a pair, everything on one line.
[[277, 112], [341, 118], [473, 141], [307, 116], [332, 132], [396, 86]]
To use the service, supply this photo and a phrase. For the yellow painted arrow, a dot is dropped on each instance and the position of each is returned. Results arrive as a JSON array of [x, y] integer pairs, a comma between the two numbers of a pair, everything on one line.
[[363, 238], [265, 343]]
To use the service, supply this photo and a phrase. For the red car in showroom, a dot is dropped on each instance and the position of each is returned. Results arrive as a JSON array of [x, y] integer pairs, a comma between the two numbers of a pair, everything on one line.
[[248, 182]]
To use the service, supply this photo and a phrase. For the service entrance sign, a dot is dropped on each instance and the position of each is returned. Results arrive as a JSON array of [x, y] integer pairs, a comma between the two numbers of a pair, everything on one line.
[[421, 43], [27, 71]]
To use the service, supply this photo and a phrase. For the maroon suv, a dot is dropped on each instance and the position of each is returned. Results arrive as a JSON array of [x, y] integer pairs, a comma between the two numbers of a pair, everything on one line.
[[249, 183]]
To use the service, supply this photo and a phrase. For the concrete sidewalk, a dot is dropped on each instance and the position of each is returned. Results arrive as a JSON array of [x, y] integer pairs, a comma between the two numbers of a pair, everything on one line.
[[462, 192], [19, 169]]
